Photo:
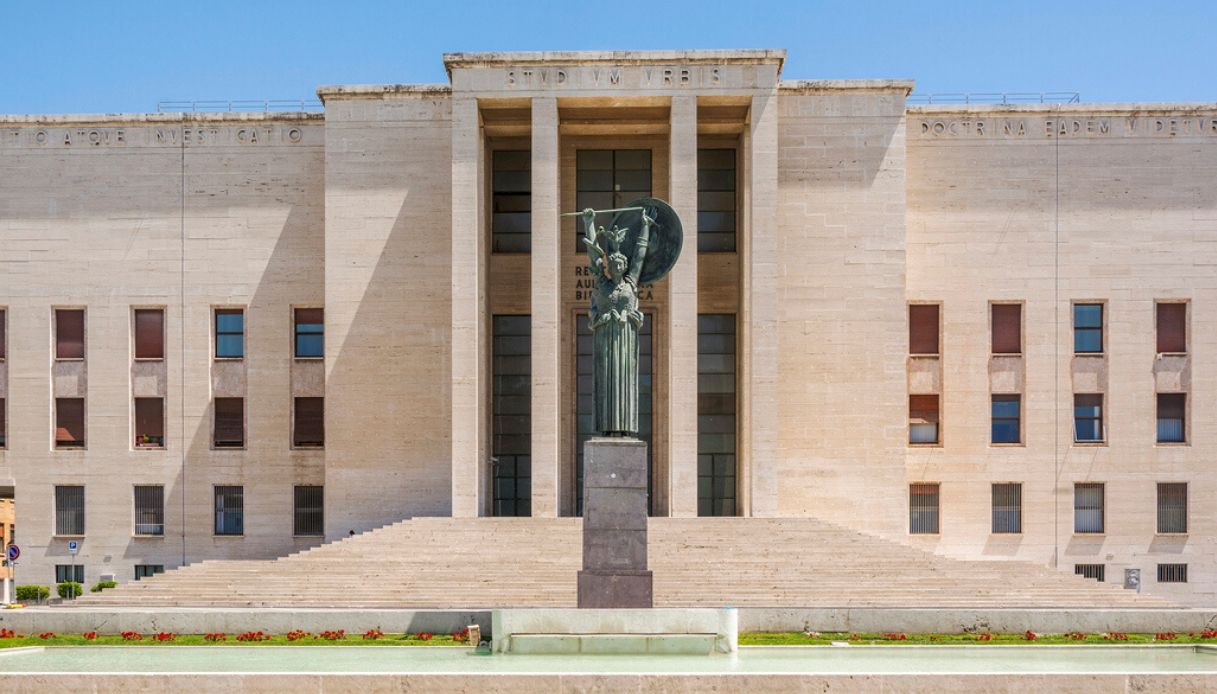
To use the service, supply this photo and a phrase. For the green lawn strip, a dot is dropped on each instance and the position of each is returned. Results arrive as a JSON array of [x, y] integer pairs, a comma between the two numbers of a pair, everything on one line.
[[231, 640], [869, 639]]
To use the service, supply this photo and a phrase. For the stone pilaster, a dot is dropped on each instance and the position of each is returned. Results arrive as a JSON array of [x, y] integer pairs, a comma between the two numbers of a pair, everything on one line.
[[682, 315], [546, 309]]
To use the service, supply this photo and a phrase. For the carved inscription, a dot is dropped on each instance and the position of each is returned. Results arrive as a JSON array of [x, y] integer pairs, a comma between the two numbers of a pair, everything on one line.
[[595, 77], [1062, 126], [144, 136], [585, 282]]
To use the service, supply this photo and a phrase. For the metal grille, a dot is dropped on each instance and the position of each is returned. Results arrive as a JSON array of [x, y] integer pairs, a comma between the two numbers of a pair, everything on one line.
[[1008, 507], [1172, 507], [1097, 572], [511, 198], [511, 415], [230, 510], [150, 510], [716, 430], [1172, 573], [923, 509], [69, 510], [309, 508], [1088, 508]]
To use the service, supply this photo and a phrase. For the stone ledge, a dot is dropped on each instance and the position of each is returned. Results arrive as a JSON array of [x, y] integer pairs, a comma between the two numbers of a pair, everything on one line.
[[902, 86], [380, 91], [575, 58], [161, 118], [1147, 108]]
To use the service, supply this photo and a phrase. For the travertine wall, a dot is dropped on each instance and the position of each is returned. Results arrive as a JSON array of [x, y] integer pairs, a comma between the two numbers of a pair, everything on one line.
[[107, 214], [1047, 206], [388, 313]]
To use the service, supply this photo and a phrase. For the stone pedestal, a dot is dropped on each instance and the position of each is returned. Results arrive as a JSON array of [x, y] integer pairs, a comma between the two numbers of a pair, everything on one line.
[[615, 571]]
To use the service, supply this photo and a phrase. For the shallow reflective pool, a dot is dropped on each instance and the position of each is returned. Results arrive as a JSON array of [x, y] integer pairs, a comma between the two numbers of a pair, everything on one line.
[[757, 659]]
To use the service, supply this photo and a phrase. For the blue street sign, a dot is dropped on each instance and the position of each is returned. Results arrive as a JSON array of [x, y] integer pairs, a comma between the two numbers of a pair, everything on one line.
[[14, 552], [73, 546]]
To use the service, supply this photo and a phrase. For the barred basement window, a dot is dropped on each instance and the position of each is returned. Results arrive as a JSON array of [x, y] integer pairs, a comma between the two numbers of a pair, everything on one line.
[[149, 333], [309, 511], [1007, 507], [230, 510], [923, 329], [1006, 424], [1088, 508], [511, 216], [1006, 328], [69, 422], [148, 570], [69, 333], [230, 333], [1088, 418], [1096, 571], [716, 217], [1172, 328], [1087, 328], [150, 510], [923, 509], [310, 333], [69, 572], [1172, 507], [1172, 408], [1172, 573], [149, 423], [309, 425], [229, 428], [923, 419], [70, 510]]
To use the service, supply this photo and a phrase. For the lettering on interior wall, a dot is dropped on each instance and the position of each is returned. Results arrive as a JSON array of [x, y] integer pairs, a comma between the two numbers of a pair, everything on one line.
[[585, 282], [80, 138], [594, 77], [1080, 127]]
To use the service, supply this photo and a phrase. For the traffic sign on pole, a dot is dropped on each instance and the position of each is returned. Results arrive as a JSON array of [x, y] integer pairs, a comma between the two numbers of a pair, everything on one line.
[[14, 552]]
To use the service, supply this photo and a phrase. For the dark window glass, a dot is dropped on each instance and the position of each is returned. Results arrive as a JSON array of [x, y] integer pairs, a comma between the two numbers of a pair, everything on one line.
[[923, 329], [1172, 328], [69, 333], [1092, 571], [511, 217], [511, 416], [3, 420], [1088, 418], [150, 510], [69, 422], [923, 509], [308, 429], [1088, 508], [1172, 409], [1007, 337], [716, 202], [309, 507], [716, 426], [230, 510], [3, 334], [149, 333], [229, 429], [1007, 508], [148, 570], [1172, 573], [70, 510], [1006, 418], [609, 178], [149, 423], [923, 419], [230, 333], [310, 332], [69, 572], [1172, 507], [584, 398], [1087, 328]]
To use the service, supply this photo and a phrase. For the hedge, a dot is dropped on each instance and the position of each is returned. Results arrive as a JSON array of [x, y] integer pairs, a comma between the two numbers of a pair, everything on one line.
[[71, 588], [102, 585], [33, 593]]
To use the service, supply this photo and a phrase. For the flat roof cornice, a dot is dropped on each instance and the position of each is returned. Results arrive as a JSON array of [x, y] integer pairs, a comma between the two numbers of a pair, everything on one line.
[[814, 86], [720, 56], [380, 91]]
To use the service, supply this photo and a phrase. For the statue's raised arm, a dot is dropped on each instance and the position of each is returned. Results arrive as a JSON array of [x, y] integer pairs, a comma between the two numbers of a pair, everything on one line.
[[594, 252], [640, 248]]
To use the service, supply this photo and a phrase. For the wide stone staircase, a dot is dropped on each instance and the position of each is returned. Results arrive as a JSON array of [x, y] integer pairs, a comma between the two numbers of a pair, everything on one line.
[[704, 562]]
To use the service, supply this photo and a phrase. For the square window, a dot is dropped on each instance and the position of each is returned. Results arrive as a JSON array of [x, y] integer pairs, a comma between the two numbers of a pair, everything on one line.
[[1088, 508], [1172, 328], [1006, 419], [149, 333], [923, 419], [923, 329], [1088, 418], [230, 510], [230, 333], [1172, 409], [310, 333], [1087, 328], [923, 509], [69, 333]]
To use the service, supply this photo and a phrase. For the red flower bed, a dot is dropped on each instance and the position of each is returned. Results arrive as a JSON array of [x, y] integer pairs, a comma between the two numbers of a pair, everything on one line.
[[334, 635], [1165, 636], [1115, 636], [1209, 634], [984, 637], [1030, 635], [253, 636], [7, 634], [893, 636], [1075, 635], [164, 636], [47, 635], [90, 635], [373, 634], [297, 634], [132, 636], [424, 636], [215, 637], [461, 636]]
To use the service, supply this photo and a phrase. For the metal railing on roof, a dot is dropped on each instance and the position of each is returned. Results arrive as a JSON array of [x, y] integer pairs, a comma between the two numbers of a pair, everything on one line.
[[1003, 98], [223, 105]]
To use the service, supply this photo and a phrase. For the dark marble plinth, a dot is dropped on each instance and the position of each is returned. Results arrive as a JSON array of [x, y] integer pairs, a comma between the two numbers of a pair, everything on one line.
[[615, 525]]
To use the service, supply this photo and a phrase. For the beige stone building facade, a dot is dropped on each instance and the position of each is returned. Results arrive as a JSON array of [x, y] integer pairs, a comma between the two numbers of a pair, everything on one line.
[[984, 331]]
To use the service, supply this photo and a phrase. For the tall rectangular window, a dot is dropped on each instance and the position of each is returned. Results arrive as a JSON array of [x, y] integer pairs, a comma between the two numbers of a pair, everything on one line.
[[716, 204], [923, 509], [309, 506], [1172, 573], [3, 419], [69, 572], [1088, 508], [149, 510], [69, 510], [1096, 572], [149, 423], [310, 333], [923, 419], [69, 422], [1007, 508], [308, 425], [229, 428], [716, 427], [3, 334], [923, 329], [1172, 410], [609, 178], [69, 333], [149, 333], [230, 510], [1006, 419], [1172, 507], [148, 570], [230, 333], [1172, 327], [1088, 418], [511, 415], [1007, 328], [1087, 328], [511, 197]]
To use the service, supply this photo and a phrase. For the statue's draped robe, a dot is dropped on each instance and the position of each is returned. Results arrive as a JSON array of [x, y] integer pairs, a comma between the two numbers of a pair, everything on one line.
[[615, 322]]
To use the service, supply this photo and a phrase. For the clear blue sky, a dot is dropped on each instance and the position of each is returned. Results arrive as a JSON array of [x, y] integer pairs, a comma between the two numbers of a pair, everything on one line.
[[119, 56]]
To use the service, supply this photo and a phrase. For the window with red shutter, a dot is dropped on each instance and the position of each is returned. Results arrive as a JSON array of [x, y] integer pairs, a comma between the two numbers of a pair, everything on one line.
[[1172, 328], [69, 333], [69, 422], [229, 429], [1007, 326], [923, 329], [149, 333], [309, 429]]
